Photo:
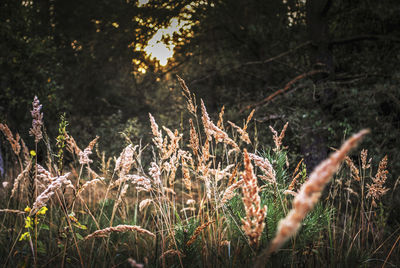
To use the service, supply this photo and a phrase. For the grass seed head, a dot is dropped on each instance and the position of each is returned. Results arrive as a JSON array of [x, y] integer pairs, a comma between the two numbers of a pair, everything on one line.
[[310, 192]]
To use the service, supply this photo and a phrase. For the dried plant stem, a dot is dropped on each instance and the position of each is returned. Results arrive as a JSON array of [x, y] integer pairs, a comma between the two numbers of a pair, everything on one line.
[[391, 250], [15, 211]]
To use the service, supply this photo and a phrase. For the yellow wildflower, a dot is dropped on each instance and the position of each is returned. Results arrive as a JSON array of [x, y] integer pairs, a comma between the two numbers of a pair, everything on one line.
[[42, 211], [24, 236], [28, 222]]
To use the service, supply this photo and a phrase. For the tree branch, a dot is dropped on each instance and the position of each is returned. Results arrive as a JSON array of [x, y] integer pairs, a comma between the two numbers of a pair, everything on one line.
[[277, 56], [363, 38], [284, 89], [281, 55]]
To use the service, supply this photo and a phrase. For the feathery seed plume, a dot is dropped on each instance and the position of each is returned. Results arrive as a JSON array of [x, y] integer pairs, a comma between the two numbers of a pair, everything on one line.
[[125, 160], [158, 140], [172, 252], [278, 138], [230, 192], [353, 169], [310, 192], [220, 123], [265, 166], [90, 183], [253, 224], [19, 178], [120, 229], [186, 175], [56, 183], [37, 121], [295, 176], [376, 190], [197, 232], [144, 203], [142, 183], [155, 173], [244, 136], [364, 165], [72, 147], [191, 103], [13, 142], [212, 130], [194, 139], [84, 156], [43, 174]]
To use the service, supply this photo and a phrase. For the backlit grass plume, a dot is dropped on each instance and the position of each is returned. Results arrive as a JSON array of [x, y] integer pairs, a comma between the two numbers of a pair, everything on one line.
[[13, 142], [56, 184], [120, 229], [253, 224], [37, 120], [310, 192]]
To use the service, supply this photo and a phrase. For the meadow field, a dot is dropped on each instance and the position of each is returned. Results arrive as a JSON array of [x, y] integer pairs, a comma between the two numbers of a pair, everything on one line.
[[207, 195]]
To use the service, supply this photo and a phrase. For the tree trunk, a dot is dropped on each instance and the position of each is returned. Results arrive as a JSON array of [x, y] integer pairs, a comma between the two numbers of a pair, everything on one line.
[[318, 31]]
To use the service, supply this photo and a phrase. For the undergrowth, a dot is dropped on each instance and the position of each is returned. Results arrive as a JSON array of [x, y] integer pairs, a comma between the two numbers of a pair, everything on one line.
[[190, 199]]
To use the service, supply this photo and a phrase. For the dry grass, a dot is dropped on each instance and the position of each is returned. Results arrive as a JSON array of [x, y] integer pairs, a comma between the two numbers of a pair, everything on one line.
[[198, 200]]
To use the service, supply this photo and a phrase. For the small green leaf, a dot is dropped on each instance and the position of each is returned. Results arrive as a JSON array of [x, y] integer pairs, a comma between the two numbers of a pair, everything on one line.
[[79, 236], [45, 227], [80, 226]]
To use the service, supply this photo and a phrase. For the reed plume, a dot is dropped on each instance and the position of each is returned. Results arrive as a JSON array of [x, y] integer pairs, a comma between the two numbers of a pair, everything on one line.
[[172, 252], [56, 183], [243, 135], [119, 229], [145, 203], [16, 147], [186, 175], [20, 178], [84, 156], [212, 130], [90, 183], [37, 121], [376, 190], [253, 224], [194, 139], [197, 232], [191, 101], [220, 122], [157, 139], [265, 166], [230, 192], [364, 164], [125, 160], [295, 176], [72, 147], [310, 192], [278, 138], [355, 174]]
